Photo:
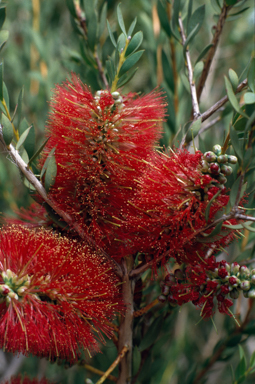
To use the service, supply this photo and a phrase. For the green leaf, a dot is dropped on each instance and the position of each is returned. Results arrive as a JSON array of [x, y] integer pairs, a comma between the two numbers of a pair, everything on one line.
[[71, 7], [121, 42], [28, 184], [249, 98], [124, 79], [23, 137], [7, 130], [102, 22], [236, 226], [252, 360], [4, 35], [251, 75], [196, 19], [232, 98], [231, 2], [55, 217], [29, 143], [241, 351], [203, 53], [215, 231], [24, 156], [46, 163], [240, 123], [135, 43], [233, 78], [240, 369], [110, 70], [234, 340], [250, 121], [234, 191], [235, 143], [167, 71], [207, 211], [37, 153], [136, 360], [111, 34], [247, 158], [92, 31], [190, 38], [1, 81], [189, 13], [162, 14], [19, 107], [193, 130], [51, 173], [130, 61], [198, 70], [121, 21], [151, 334], [248, 227], [6, 96], [2, 16], [132, 27], [175, 14]]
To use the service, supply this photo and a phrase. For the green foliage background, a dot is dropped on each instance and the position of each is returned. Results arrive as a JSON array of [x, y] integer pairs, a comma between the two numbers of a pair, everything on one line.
[[41, 51]]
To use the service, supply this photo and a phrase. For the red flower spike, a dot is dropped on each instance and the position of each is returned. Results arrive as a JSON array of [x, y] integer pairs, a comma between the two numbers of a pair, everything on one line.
[[101, 144], [61, 295], [25, 380], [166, 218]]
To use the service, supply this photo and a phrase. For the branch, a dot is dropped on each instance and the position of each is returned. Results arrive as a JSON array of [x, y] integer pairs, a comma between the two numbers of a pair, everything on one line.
[[212, 50], [196, 112], [222, 101], [98, 372], [100, 69], [26, 171], [114, 364]]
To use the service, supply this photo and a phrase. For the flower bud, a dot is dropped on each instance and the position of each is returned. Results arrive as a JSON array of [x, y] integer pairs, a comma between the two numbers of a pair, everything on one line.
[[222, 179], [217, 149], [21, 290], [235, 268], [232, 159], [232, 280], [210, 156], [162, 298], [13, 295], [253, 279], [245, 285], [251, 294], [170, 279], [165, 290], [246, 294], [4, 290], [222, 159], [245, 271], [234, 294], [226, 170], [214, 168], [205, 166]]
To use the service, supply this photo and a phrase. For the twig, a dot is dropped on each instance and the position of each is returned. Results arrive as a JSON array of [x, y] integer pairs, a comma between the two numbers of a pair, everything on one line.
[[26, 171], [140, 312], [100, 69], [100, 373], [114, 364], [196, 112], [221, 102], [212, 50]]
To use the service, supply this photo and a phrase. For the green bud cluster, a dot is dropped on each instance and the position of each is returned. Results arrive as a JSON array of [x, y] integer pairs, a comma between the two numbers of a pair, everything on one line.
[[13, 287], [118, 100], [216, 164]]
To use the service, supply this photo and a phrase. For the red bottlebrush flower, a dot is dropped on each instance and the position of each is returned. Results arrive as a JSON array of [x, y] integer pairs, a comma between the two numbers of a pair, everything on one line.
[[25, 380], [101, 143], [35, 216], [55, 294], [166, 217]]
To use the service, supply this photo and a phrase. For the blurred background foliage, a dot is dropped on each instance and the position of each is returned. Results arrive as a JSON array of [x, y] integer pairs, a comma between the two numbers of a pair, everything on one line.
[[41, 51]]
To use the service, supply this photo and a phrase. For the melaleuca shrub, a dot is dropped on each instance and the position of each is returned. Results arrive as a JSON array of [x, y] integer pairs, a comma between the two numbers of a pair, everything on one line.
[[57, 296], [101, 144]]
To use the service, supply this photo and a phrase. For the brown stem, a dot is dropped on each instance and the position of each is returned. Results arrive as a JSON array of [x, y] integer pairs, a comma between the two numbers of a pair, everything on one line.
[[100, 69], [98, 372], [121, 355], [212, 50], [126, 326], [146, 309]]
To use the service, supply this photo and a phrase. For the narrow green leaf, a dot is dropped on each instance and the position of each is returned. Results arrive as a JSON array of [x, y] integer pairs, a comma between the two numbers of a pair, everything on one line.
[[19, 107], [198, 70], [111, 34], [1, 81], [189, 13], [196, 18], [136, 360], [110, 70], [71, 7], [207, 211], [121, 21], [7, 130], [102, 22], [240, 369], [236, 226], [130, 61], [214, 232], [23, 137], [124, 79], [4, 35], [28, 184], [175, 14], [121, 42], [241, 351], [6, 96], [251, 75], [232, 98], [37, 153], [89, 8], [235, 143], [2, 16], [24, 155], [203, 53], [167, 71], [249, 98], [231, 2], [55, 217], [50, 174], [29, 143], [233, 78], [132, 27], [46, 163], [234, 191], [248, 227], [162, 14], [193, 130], [135, 43], [247, 158], [151, 334], [252, 360], [190, 38], [250, 121], [92, 31]]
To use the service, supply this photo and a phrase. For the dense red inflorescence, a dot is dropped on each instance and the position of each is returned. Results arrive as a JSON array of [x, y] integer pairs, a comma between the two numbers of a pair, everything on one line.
[[25, 380], [56, 296], [101, 143], [166, 218]]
